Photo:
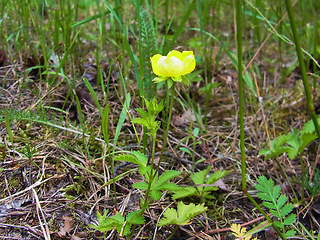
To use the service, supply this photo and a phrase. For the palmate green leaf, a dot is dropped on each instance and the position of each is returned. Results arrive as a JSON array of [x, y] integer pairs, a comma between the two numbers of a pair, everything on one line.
[[293, 143], [142, 113], [135, 157], [117, 221], [169, 217], [135, 217], [309, 127], [162, 184], [141, 121], [200, 177], [104, 224], [153, 107], [159, 184], [155, 195], [216, 176], [294, 139], [166, 176], [142, 158], [169, 186], [277, 147], [140, 185], [184, 192], [299, 144], [182, 215]]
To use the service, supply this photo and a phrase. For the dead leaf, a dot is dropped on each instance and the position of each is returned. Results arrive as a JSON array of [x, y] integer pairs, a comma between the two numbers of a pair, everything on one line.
[[62, 232], [68, 223], [221, 185], [186, 117]]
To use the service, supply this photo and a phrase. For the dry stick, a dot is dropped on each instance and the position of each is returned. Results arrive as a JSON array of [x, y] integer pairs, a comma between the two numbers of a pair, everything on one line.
[[242, 225], [264, 42], [44, 224]]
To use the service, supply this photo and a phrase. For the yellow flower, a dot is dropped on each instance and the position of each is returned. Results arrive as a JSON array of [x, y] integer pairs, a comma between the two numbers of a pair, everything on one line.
[[175, 65]]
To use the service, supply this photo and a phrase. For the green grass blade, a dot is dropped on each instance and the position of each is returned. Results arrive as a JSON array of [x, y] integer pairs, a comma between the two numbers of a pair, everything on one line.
[[182, 23], [128, 48], [93, 94], [91, 18], [122, 117]]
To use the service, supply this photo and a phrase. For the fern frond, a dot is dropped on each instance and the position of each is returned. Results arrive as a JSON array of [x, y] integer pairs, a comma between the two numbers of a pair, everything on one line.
[[276, 203], [147, 45]]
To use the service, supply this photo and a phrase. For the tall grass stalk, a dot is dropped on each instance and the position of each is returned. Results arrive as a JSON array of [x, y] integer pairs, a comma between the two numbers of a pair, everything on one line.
[[203, 15], [241, 114], [304, 76], [127, 47], [315, 42], [186, 16]]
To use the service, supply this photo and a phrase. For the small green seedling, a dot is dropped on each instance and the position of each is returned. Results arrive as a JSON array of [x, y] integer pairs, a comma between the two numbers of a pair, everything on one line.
[[277, 204], [203, 185], [118, 222], [293, 143], [183, 214]]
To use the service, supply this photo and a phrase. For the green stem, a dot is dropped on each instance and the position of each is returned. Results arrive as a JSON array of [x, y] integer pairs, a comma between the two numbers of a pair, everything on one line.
[[241, 116], [302, 68], [165, 135], [241, 97], [303, 178], [152, 176]]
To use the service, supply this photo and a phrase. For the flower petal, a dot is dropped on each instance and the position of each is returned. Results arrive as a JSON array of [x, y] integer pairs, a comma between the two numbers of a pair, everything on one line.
[[174, 65], [154, 63], [170, 67], [186, 54], [189, 64], [175, 53]]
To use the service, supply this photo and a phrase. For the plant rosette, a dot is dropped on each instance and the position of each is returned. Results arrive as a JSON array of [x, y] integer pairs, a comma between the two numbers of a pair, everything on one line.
[[173, 67]]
